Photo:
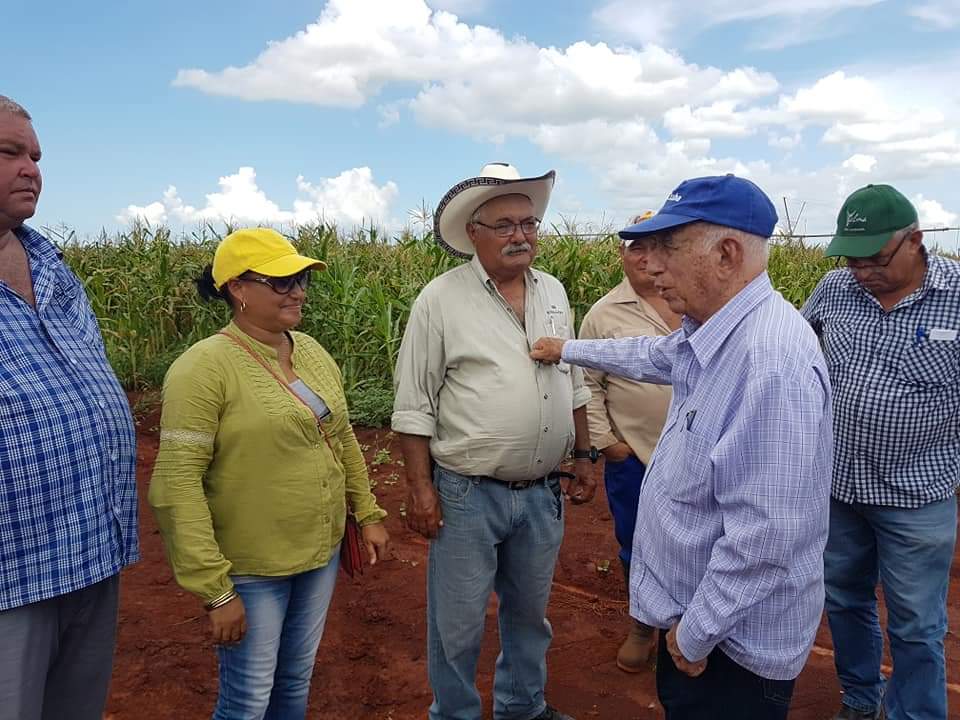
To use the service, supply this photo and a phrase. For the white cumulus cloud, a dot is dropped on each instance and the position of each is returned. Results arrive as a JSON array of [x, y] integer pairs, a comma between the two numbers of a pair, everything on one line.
[[932, 213], [860, 163], [638, 117], [465, 77], [350, 199]]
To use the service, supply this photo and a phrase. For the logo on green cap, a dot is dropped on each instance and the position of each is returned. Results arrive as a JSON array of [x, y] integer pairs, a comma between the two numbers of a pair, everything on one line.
[[855, 218], [868, 219]]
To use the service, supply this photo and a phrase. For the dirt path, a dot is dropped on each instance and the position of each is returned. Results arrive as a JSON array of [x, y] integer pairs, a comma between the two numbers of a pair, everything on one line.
[[372, 661]]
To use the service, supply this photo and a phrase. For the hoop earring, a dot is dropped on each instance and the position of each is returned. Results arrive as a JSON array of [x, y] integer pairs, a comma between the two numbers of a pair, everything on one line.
[[243, 306]]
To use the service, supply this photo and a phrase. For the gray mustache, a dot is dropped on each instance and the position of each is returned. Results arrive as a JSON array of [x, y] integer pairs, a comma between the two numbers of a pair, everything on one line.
[[516, 248]]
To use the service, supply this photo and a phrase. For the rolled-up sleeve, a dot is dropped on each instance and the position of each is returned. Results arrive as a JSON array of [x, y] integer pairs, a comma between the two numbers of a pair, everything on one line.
[[419, 373], [193, 395]]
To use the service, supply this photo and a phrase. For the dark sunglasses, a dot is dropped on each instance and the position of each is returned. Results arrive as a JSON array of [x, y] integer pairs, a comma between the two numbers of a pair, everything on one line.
[[281, 285]]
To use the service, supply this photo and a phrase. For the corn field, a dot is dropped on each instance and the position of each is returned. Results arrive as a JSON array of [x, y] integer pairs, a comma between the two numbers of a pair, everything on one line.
[[141, 286]]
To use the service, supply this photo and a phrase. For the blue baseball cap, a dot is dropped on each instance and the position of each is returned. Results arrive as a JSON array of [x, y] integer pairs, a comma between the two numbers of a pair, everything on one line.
[[724, 200]]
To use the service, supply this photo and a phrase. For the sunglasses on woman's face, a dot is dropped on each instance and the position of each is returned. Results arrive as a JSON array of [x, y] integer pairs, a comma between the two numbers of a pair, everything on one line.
[[282, 285]]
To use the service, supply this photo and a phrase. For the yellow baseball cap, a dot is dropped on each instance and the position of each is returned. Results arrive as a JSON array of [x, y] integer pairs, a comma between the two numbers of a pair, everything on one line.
[[261, 250]]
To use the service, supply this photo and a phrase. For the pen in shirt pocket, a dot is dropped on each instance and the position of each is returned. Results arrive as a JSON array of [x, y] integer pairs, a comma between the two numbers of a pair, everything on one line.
[[691, 416], [920, 335]]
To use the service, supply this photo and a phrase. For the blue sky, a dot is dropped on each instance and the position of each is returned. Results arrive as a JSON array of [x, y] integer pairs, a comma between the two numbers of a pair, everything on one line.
[[360, 110]]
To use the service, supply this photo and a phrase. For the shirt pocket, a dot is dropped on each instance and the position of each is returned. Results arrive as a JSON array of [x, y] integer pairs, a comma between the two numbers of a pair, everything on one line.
[[837, 342], [73, 307], [694, 478], [930, 363]]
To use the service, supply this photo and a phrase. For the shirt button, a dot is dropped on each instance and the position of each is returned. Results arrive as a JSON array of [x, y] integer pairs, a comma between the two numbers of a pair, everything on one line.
[[102, 404], [546, 397], [539, 461], [545, 429], [113, 456]]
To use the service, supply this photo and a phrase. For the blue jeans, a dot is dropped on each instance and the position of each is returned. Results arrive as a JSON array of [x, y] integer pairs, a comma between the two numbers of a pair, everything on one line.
[[909, 551], [493, 539], [622, 481], [267, 675], [724, 690]]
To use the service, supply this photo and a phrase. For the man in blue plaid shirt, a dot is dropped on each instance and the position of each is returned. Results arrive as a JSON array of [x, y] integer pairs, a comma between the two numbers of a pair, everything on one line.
[[732, 520], [888, 324], [68, 503]]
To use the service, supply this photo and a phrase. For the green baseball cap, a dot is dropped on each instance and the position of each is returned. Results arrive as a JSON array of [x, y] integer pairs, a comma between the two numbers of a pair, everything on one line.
[[868, 219]]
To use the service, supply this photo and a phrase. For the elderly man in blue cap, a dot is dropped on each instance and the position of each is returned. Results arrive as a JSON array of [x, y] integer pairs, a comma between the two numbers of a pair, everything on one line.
[[732, 518]]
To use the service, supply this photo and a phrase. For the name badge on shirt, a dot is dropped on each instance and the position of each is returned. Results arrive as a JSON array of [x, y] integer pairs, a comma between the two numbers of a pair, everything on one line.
[[943, 334], [556, 322]]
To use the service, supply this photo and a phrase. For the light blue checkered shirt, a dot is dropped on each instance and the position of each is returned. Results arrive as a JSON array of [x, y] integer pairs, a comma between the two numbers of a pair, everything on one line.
[[68, 498], [733, 513]]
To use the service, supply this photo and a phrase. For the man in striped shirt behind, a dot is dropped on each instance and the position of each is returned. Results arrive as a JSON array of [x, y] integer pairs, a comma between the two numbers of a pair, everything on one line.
[[888, 323], [732, 520]]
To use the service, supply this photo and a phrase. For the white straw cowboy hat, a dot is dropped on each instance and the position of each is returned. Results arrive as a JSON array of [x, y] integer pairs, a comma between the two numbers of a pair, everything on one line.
[[495, 179]]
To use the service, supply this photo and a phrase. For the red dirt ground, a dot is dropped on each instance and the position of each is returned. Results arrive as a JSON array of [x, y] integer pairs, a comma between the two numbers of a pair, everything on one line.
[[372, 660]]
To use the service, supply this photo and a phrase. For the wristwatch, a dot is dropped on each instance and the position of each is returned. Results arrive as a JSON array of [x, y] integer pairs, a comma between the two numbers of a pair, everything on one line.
[[592, 454]]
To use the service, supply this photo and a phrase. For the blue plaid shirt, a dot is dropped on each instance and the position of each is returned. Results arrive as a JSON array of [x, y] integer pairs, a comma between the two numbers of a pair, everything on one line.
[[896, 387], [68, 497], [734, 507]]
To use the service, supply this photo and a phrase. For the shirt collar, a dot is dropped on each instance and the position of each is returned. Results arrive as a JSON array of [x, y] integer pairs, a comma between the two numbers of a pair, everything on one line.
[[624, 294], [486, 280], [36, 245], [935, 276], [254, 344], [706, 339]]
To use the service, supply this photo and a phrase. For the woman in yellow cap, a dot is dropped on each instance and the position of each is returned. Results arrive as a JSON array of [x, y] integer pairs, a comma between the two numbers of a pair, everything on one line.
[[257, 463]]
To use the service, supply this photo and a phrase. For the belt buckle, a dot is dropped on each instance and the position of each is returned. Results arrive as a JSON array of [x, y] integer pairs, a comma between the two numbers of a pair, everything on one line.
[[523, 484]]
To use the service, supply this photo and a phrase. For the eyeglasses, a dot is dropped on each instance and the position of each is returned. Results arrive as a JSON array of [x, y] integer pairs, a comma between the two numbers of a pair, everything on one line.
[[870, 263], [282, 285], [506, 229]]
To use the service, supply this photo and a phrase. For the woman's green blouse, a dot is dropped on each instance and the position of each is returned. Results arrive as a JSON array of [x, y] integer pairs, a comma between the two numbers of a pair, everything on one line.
[[245, 482]]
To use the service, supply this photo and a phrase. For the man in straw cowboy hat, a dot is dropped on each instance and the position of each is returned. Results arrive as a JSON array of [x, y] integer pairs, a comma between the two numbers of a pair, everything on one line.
[[626, 417], [483, 430], [888, 322], [731, 525]]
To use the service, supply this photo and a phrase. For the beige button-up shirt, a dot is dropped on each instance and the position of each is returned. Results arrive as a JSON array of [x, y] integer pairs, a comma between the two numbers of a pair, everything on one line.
[[464, 377], [622, 410]]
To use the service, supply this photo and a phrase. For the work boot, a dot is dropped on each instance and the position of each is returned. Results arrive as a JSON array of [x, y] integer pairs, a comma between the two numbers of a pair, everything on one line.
[[848, 713], [551, 713], [637, 649]]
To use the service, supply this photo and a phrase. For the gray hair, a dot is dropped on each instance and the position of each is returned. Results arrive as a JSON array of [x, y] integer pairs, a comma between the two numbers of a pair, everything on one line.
[[754, 244], [908, 230], [10, 106]]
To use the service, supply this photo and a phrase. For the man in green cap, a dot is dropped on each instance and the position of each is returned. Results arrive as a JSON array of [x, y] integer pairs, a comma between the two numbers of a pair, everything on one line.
[[888, 324]]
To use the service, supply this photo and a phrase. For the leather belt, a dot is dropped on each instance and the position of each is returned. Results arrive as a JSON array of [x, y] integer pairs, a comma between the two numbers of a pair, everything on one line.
[[526, 484]]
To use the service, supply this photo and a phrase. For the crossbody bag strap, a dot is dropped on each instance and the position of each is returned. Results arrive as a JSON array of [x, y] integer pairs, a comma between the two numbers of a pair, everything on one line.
[[286, 386]]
